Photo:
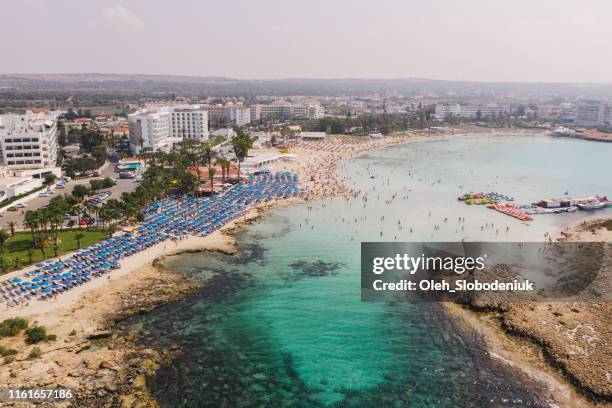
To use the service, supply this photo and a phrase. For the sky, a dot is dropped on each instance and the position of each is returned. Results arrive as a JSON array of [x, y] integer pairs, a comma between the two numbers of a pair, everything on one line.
[[473, 40]]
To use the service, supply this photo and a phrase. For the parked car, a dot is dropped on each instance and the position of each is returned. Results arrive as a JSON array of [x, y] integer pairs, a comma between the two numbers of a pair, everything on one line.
[[43, 194], [21, 205]]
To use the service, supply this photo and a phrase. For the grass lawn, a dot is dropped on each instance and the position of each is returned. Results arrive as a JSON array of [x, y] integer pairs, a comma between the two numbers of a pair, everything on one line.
[[18, 246]]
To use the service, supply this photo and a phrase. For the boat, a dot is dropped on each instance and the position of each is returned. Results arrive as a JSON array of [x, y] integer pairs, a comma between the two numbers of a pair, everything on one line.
[[594, 205]]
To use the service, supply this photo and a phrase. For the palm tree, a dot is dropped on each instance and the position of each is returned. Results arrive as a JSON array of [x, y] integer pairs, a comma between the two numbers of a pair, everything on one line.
[[79, 236], [12, 226], [30, 255], [31, 222], [211, 174], [4, 236]]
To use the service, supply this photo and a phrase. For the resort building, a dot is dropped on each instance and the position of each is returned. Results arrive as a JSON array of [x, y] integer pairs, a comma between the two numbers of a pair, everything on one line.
[[150, 131], [283, 111], [253, 163], [594, 114], [470, 111], [189, 122], [28, 141], [224, 115], [161, 129]]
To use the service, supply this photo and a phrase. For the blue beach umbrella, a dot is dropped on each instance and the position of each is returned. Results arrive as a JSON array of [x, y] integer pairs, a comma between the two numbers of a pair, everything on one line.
[[16, 280], [46, 290]]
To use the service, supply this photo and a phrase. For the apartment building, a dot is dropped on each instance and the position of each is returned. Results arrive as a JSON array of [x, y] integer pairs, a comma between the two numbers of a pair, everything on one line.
[[594, 114], [470, 111], [283, 111], [29, 141], [162, 128]]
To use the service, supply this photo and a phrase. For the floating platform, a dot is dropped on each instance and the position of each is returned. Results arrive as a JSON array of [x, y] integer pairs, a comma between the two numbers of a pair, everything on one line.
[[511, 211]]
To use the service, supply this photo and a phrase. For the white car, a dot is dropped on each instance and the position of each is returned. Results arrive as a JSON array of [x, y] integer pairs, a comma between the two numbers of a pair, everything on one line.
[[21, 205], [43, 194]]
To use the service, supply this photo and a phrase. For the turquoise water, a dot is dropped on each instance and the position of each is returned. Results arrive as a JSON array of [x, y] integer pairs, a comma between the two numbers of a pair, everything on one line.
[[281, 324]]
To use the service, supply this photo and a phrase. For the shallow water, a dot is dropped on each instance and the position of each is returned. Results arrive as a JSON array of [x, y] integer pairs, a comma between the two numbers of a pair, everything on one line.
[[281, 324]]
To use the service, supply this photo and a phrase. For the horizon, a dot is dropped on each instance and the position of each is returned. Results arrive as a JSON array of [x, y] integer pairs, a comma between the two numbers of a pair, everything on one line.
[[608, 82]]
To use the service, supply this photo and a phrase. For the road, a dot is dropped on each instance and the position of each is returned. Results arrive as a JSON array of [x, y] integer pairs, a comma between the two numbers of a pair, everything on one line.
[[122, 186]]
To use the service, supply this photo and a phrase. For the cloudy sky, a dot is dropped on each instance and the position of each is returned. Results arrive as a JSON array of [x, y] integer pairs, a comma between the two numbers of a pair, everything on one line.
[[482, 40]]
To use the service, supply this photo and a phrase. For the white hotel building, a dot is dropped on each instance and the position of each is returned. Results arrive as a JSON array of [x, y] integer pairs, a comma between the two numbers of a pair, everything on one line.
[[223, 115], [28, 141], [281, 111], [470, 111], [161, 129], [594, 114]]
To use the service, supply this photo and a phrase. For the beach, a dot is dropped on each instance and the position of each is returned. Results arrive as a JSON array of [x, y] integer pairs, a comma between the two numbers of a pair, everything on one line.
[[91, 309]]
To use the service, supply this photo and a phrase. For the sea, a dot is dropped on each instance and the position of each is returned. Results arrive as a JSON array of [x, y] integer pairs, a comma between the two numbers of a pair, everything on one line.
[[282, 324]]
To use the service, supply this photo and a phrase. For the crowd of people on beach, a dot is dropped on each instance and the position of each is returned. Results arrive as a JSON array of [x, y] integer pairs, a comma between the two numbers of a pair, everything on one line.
[[171, 218]]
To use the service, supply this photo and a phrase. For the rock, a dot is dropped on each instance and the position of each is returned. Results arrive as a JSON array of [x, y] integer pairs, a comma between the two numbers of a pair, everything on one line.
[[106, 364], [99, 335]]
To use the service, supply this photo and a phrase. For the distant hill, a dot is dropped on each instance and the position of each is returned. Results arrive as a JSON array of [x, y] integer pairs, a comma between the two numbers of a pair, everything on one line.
[[129, 84]]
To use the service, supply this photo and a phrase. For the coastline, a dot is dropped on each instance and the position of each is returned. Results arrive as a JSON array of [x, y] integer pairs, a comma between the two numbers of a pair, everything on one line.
[[563, 345], [145, 285]]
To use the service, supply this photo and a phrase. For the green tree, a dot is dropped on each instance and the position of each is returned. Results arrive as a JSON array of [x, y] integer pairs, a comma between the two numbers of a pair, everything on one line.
[[12, 226], [241, 145], [78, 237], [50, 178], [80, 191], [4, 236]]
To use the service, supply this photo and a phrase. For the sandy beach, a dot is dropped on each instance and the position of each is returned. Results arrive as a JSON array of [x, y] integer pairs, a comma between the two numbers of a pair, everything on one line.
[[82, 314]]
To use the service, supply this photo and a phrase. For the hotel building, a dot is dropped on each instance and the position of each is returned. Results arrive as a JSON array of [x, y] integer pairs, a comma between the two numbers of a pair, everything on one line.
[[189, 122], [594, 114], [161, 129], [227, 115], [28, 141], [470, 111], [283, 111]]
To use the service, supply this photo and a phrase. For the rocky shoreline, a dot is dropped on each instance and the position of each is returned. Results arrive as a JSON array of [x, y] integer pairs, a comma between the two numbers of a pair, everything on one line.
[[573, 337]]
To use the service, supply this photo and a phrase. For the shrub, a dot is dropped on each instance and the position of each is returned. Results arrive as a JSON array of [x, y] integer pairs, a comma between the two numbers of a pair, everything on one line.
[[35, 352], [7, 352], [37, 334], [9, 359], [10, 327]]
